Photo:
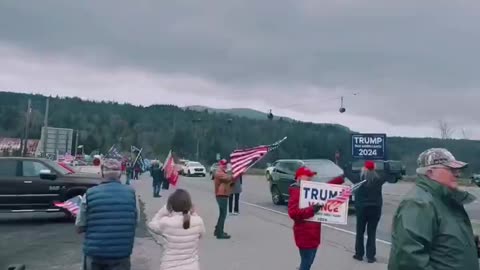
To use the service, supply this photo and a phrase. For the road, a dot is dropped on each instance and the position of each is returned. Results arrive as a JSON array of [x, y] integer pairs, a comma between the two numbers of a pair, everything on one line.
[[262, 236], [49, 242]]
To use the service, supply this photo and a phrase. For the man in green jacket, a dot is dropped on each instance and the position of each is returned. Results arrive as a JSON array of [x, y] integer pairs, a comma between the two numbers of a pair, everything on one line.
[[431, 230]]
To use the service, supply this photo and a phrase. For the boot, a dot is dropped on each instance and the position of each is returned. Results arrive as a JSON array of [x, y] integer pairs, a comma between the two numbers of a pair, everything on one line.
[[223, 235]]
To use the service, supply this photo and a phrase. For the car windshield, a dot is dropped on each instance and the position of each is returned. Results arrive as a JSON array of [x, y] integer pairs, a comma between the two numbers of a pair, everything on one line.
[[324, 168], [194, 164], [57, 167]]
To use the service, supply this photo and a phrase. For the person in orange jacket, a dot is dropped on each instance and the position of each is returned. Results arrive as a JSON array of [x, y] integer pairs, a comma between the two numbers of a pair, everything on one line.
[[306, 233]]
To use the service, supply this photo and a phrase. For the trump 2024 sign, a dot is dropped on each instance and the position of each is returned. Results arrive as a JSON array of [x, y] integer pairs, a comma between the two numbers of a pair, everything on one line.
[[369, 146]]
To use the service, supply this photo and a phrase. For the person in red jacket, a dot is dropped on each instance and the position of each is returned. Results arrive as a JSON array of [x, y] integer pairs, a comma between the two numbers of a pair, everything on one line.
[[306, 233]]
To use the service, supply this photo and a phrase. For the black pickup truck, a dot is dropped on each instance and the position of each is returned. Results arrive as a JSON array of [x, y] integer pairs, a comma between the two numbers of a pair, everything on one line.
[[33, 185], [390, 170]]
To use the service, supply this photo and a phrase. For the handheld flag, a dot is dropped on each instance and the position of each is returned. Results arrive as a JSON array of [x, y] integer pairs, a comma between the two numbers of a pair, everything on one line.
[[170, 169], [344, 195], [244, 159], [72, 205], [113, 153]]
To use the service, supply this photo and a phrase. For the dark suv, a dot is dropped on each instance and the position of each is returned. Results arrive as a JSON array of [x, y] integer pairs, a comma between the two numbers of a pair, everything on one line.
[[390, 170], [31, 184], [283, 175]]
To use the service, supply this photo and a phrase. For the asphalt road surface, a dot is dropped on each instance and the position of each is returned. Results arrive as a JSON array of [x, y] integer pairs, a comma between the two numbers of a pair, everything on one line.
[[256, 193], [49, 241], [44, 241]]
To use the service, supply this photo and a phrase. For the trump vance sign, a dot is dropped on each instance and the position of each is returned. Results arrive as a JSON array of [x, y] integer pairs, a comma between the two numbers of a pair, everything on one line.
[[332, 211], [369, 146]]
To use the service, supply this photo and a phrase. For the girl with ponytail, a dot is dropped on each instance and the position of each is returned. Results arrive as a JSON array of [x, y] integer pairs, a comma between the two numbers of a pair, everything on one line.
[[181, 229]]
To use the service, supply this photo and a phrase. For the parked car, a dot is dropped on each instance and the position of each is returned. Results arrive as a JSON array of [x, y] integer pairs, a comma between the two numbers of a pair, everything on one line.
[[193, 168], [476, 179], [269, 169], [283, 175], [213, 169], [390, 170], [33, 185], [181, 166]]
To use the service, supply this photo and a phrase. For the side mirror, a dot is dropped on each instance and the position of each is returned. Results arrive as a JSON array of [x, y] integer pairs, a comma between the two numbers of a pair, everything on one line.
[[48, 175]]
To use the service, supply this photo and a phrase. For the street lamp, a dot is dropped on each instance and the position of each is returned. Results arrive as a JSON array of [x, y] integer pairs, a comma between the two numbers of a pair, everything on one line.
[[196, 121]]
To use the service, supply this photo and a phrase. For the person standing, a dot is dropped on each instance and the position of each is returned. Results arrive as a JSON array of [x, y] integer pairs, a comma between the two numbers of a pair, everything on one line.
[[109, 226], [368, 207], [158, 179], [182, 229], [223, 185], [306, 233], [129, 171], [431, 229], [234, 199]]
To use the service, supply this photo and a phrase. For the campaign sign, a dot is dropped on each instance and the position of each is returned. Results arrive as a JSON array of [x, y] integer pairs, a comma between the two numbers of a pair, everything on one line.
[[321, 193], [368, 146]]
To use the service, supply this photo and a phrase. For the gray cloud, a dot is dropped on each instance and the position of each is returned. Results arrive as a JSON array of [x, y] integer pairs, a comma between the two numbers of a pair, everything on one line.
[[401, 57]]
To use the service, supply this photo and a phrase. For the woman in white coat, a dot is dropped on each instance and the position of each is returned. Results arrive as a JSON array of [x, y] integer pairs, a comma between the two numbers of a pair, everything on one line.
[[181, 229]]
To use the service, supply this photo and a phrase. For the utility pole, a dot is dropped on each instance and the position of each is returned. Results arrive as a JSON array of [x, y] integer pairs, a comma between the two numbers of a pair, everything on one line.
[[196, 122], [76, 143], [27, 128], [45, 128]]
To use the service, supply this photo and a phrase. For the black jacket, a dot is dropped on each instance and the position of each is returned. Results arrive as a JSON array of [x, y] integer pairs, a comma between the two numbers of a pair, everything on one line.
[[370, 193]]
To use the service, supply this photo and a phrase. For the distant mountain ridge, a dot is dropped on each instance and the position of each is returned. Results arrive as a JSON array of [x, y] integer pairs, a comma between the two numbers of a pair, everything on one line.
[[252, 114], [240, 112]]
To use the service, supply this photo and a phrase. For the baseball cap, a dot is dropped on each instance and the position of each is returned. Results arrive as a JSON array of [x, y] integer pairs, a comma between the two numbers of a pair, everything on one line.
[[370, 165], [223, 162], [439, 156], [304, 171]]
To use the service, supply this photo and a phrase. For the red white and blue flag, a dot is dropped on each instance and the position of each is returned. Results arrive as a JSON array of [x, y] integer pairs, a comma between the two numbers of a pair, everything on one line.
[[72, 205], [170, 169], [243, 159], [344, 195]]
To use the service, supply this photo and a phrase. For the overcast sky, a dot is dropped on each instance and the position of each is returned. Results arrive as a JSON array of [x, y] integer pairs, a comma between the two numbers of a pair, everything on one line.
[[401, 66]]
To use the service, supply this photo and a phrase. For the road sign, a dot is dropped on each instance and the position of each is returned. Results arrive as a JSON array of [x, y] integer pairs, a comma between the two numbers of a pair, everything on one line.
[[369, 146]]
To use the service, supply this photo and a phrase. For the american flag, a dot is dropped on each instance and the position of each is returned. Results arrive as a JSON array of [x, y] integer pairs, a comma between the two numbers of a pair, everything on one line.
[[344, 195], [170, 169], [244, 159], [113, 153], [72, 205], [138, 157]]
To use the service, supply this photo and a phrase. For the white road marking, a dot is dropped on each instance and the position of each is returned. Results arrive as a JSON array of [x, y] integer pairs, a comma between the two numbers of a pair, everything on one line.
[[324, 225]]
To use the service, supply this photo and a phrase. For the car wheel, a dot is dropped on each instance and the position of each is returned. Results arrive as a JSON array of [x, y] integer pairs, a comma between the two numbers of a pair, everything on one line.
[[277, 197], [189, 174]]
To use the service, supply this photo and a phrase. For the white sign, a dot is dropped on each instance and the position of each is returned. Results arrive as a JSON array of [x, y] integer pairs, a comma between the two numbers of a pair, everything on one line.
[[321, 193]]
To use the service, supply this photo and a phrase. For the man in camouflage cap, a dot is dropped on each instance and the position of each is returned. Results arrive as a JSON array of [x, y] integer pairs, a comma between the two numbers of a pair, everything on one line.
[[431, 229]]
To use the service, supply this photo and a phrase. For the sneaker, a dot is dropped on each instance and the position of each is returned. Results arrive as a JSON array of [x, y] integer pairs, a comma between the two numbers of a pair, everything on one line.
[[236, 213], [371, 260]]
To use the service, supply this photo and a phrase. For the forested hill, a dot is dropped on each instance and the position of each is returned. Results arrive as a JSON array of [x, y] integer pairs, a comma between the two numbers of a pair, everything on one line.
[[161, 127]]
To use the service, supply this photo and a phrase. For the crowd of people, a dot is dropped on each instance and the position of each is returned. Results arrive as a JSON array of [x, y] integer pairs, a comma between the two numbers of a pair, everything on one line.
[[431, 229]]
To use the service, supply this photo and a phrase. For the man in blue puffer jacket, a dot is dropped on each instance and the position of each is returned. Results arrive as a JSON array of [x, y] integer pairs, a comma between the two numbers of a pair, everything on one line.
[[108, 216]]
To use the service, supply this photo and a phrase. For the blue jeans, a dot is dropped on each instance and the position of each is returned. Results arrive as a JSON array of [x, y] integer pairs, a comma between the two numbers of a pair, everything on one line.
[[307, 257]]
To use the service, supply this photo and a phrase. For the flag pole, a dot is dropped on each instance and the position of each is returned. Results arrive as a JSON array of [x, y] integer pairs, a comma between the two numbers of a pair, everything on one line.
[[139, 152]]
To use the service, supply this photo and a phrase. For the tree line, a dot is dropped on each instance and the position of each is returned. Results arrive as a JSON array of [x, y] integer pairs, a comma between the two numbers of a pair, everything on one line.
[[159, 128]]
